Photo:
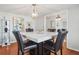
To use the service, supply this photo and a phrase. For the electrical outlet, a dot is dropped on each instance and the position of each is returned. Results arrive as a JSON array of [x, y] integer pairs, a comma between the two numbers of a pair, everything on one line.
[[5, 43]]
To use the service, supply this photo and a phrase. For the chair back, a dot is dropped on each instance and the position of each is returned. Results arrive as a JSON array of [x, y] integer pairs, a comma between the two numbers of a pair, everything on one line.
[[19, 40], [59, 40], [51, 30]]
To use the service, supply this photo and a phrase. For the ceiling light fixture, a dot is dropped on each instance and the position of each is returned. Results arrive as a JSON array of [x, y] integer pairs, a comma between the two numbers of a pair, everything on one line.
[[58, 17], [34, 10]]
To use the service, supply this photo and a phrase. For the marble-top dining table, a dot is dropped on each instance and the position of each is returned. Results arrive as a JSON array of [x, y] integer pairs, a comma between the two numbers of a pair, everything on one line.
[[39, 37]]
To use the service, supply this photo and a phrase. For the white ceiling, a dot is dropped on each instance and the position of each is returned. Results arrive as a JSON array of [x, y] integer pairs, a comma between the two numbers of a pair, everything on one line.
[[26, 9]]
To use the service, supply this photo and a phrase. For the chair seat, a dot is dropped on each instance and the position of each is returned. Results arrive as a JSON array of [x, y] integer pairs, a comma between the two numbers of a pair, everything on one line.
[[29, 45], [49, 47]]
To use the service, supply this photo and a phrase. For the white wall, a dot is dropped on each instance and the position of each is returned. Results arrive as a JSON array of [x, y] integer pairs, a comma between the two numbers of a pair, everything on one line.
[[39, 24], [73, 28]]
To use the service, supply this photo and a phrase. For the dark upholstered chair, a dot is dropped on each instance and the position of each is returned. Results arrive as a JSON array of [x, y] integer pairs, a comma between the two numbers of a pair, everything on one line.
[[55, 47], [21, 45], [29, 30], [51, 30]]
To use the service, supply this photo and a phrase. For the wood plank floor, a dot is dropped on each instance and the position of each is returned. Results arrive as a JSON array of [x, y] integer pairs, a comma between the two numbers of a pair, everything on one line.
[[12, 50]]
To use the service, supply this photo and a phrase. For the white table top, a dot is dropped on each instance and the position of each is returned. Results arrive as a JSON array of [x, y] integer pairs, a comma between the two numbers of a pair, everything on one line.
[[39, 37]]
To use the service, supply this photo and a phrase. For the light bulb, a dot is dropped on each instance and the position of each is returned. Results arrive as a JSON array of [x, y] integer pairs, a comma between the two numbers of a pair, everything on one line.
[[34, 14]]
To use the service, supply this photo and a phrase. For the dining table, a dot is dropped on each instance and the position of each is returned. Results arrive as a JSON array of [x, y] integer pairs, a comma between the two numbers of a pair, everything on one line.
[[39, 37]]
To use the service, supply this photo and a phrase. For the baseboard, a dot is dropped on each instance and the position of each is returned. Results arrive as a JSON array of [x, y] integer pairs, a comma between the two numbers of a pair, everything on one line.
[[0, 44], [12, 41], [4, 45], [7, 44], [73, 49]]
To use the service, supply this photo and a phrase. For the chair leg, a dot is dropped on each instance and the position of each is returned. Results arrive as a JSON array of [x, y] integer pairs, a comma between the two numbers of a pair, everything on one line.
[[22, 53], [61, 51], [18, 52]]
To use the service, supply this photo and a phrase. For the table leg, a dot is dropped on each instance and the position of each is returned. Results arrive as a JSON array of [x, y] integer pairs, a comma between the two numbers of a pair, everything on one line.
[[37, 49], [42, 48]]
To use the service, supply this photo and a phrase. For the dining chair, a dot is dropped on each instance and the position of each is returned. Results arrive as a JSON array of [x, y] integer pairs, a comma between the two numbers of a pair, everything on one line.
[[29, 30], [63, 29], [23, 46], [55, 47], [51, 30]]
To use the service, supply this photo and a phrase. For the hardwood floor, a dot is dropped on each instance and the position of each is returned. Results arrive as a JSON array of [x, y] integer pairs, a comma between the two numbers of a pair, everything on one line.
[[9, 50], [12, 50]]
